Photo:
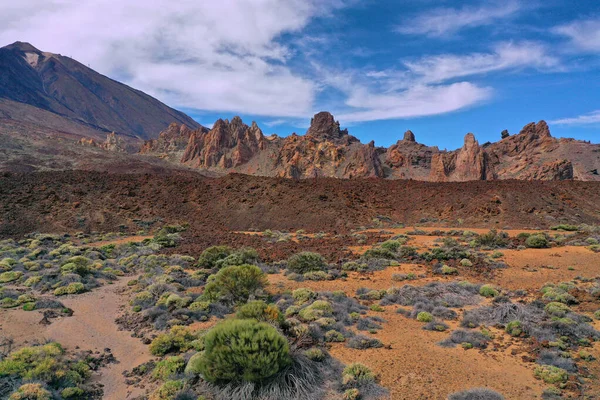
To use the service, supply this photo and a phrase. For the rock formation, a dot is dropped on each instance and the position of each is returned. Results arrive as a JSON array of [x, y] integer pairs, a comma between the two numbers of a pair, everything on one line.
[[326, 150]]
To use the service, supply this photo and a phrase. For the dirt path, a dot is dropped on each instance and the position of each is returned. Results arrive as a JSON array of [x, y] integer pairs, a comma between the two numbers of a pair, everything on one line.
[[92, 327]]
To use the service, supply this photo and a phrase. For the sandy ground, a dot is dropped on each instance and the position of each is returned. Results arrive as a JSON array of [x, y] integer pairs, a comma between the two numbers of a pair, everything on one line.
[[417, 368], [92, 327]]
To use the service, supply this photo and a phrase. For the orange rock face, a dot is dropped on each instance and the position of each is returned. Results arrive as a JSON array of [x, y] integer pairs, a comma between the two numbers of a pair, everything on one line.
[[328, 151]]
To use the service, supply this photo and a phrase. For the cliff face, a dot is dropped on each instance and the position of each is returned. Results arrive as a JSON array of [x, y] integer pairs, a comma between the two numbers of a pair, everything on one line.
[[328, 151]]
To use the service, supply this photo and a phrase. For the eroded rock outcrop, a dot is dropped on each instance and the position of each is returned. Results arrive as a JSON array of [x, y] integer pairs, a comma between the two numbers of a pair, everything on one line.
[[326, 150]]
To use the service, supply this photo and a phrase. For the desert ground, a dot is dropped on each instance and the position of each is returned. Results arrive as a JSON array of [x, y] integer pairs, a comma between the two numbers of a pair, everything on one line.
[[432, 300]]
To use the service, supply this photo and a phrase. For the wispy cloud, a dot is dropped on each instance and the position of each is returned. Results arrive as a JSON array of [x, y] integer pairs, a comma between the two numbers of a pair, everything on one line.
[[443, 21], [430, 85], [586, 119], [505, 56], [417, 101], [584, 34]]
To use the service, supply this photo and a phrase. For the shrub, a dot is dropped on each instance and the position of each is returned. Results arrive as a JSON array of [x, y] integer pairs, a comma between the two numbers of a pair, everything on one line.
[[357, 374], [168, 367], [551, 374], [514, 328], [304, 262], [243, 350], [334, 336], [597, 314], [31, 391], [72, 393], [446, 270], [167, 391], [465, 262], [556, 309], [354, 266], [77, 265], [235, 284], [351, 394], [476, 394], [10, 276], [565, 227], [488, 291], [71, 288], [239, 257], [260, 311], [303, 295], [318, 309], [317, 276], [424, 316], [361, 342], [391, 245], [538, 241], [211, 255], [315, 354], [178, 339]]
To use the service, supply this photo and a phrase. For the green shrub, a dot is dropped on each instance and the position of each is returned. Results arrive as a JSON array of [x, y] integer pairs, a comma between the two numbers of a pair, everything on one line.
[[10, 276], [239, 257], [178, 339], [77, 265], [72, 393], [303, 295], [357, 374], [380, 253], [243, 350], [168, 367], [32, 281], [537, 241], [211, 255], [557, 309], [168, 390], [446, 270], [71, 288], [597, 314], [318, 309], [376, 307], [488, 291], [260, 311], [315, 354], [31, 391], [351, 394], [29, 306], [316, 276], [514, 328], [354, 266], [465, 262], [424, 316], [551, 374], [334, 336], [200, 306], [235, 284], [304, 262], [565, 227], [391, 245]]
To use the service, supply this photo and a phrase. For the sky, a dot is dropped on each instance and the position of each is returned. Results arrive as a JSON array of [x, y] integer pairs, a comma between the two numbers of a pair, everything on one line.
[[439, 68]]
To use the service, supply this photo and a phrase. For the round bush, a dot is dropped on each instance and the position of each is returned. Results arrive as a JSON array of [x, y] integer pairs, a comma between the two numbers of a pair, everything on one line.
[[235, 284], [557, 309], [424, 316], [260, 311], [31, 391], [357, 374], [488, 291], [243, 350], [536, 242], [514, 328], [305, 262]]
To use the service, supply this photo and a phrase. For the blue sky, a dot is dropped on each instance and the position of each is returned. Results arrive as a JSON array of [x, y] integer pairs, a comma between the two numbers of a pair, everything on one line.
[[439, 68]]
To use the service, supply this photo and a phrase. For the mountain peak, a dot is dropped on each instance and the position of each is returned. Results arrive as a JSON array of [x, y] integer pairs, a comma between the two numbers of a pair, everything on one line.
[[324, 126], [409, 136], [25, 47]]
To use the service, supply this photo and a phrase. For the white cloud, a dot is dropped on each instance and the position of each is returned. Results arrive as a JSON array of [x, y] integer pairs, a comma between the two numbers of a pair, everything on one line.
[[506, 56], [213, 55], [417, 101], [443, 21], [584, 35], [586, 119]]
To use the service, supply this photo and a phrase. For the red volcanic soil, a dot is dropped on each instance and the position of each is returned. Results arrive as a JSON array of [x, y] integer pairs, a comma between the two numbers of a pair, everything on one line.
[[215, 208]]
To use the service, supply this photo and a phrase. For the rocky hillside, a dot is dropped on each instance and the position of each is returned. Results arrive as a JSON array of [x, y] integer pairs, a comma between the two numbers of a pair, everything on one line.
[[328, 151], [61, 94]]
